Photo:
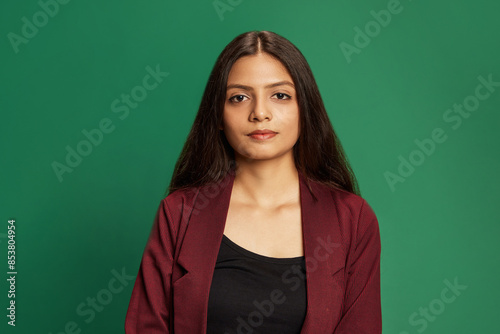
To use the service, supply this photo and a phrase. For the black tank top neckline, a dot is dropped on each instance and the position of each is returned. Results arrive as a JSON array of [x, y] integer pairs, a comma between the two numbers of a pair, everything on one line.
[[256, 256]]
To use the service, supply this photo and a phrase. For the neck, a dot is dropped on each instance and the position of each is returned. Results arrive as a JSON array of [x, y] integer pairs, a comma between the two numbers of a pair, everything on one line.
[[267, 183]]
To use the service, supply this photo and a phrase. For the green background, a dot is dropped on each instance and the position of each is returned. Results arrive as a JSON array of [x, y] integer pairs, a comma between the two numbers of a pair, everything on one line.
[[440, 224]]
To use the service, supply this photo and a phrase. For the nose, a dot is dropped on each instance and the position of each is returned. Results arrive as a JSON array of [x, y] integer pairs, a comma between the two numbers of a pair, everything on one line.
[[260, 110]]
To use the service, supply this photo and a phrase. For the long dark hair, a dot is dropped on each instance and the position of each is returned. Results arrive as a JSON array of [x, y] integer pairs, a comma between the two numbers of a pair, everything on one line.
[[207, 156]]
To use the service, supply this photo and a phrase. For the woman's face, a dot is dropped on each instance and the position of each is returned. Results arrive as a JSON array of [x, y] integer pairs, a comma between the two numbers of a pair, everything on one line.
[[260, 96]]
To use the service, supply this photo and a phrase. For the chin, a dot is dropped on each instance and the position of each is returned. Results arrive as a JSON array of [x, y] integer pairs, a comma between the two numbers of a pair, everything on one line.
[[258, 154]]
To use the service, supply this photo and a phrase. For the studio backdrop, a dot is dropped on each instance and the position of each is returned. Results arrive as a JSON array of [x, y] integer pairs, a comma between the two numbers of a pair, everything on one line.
[[97, 99]]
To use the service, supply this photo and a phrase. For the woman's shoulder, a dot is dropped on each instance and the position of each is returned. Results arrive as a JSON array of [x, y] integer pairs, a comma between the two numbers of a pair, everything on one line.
[[350, 206], [181, 198], [340, 196]]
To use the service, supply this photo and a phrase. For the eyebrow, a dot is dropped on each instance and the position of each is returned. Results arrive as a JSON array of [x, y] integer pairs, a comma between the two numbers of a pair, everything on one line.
[[279, 83]]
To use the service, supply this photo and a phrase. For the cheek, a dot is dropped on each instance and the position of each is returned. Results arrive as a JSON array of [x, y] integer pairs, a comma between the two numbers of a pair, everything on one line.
[[292, 123], [231, 128]]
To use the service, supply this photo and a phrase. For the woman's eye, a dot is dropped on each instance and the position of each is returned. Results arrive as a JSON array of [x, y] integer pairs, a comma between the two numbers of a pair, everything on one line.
[[237, 98], [282, 96]]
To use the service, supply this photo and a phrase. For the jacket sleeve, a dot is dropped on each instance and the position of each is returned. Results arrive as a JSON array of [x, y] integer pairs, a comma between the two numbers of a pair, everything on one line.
[[149, 309], [362, 312]]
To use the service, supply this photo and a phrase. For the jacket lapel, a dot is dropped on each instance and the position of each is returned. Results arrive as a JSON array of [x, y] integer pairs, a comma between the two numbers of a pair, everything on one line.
[[198, 254], [325, 258], [200, 247]]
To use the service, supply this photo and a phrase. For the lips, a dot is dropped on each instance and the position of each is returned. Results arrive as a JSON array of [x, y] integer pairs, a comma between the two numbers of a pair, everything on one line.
[[262, 134]]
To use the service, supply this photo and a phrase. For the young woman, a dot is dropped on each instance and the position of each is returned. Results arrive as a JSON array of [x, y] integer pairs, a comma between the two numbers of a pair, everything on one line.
[[263, 229]]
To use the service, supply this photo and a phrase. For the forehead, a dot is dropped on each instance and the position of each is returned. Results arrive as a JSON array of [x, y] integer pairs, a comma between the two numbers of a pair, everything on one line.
[[259, 69]]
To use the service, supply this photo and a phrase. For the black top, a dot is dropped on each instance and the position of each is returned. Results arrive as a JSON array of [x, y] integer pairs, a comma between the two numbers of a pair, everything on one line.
[[252, 293]]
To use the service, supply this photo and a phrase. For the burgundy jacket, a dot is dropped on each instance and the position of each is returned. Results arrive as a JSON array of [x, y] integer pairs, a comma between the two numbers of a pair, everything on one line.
[[341, 246]]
